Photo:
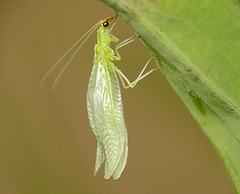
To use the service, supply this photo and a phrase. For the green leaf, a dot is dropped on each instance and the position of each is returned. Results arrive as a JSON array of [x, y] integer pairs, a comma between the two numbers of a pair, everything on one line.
[[198, 44]]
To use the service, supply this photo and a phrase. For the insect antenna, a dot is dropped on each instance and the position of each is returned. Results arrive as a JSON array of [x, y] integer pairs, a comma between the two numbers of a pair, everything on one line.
[[88, 33]]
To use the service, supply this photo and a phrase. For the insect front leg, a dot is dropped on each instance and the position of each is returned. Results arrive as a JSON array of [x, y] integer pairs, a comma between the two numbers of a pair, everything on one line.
[[124, 79], [114, 22], [122, 44]]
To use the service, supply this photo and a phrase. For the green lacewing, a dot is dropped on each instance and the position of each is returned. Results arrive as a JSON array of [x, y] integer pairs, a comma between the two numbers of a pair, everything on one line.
[[104, 103]]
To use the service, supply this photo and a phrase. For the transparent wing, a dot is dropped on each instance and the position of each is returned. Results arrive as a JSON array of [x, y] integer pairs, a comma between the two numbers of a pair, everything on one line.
[[106, 118]]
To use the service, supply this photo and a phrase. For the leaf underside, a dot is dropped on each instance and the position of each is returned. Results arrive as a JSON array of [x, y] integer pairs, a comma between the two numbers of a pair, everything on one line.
[[198, 44]]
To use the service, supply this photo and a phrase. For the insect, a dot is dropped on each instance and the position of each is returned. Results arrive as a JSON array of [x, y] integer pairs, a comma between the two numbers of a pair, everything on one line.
[[104, 103]]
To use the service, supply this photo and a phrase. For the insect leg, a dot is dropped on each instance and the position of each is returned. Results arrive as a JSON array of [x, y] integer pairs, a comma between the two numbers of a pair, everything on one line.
[[122, 44], [114, 22], [124, 79]]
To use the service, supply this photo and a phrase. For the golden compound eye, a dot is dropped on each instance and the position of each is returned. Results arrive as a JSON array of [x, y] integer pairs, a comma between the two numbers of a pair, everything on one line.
[[106, 24]]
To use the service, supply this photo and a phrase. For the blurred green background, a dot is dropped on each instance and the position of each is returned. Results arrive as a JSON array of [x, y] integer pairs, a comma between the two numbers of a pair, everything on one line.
[[46, 144]]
